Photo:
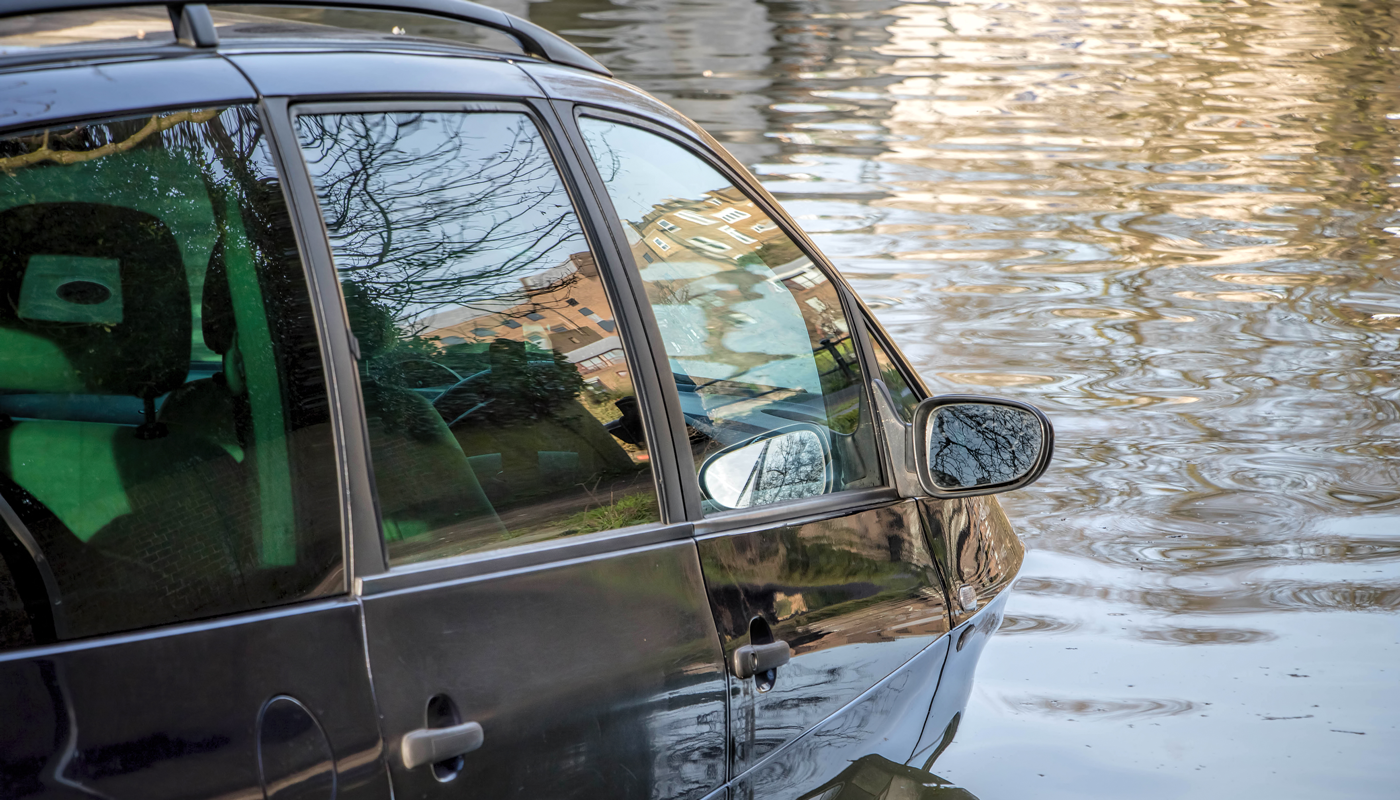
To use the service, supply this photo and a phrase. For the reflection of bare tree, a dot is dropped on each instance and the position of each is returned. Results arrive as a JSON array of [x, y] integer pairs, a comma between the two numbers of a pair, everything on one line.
[[981, 445], [432, 211]]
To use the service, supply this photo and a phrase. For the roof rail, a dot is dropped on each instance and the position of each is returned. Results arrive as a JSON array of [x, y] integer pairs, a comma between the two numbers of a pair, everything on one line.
[[194, 26]]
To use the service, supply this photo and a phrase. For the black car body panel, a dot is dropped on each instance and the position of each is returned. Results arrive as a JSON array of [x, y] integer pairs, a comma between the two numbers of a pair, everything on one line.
[[381, 75], [183, 712], [855, 597], [591, 678], [131, 85]]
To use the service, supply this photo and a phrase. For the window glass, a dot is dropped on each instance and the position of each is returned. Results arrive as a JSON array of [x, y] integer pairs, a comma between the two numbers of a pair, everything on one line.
[[498, 396], [757, 340], [165, 448], [905, 398]]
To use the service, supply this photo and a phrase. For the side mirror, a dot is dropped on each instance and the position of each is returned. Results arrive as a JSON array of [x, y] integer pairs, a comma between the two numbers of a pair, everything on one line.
[[785, 464], [976, 445]]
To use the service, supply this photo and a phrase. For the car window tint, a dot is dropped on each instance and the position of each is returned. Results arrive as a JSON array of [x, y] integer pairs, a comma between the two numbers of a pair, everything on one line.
[[165, 446], [905, 398], [757, 340], [498, 397]]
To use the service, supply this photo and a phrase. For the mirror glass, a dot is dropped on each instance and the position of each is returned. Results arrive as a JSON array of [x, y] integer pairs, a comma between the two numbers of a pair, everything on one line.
[[978, 444], [788, 466]]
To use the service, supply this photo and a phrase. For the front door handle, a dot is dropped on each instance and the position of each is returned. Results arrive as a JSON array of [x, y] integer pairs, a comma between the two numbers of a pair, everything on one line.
[[756, 659], [431, 745]]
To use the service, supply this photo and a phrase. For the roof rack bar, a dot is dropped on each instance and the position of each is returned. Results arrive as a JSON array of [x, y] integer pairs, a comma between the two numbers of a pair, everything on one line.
[[194, 27], [536, 40]]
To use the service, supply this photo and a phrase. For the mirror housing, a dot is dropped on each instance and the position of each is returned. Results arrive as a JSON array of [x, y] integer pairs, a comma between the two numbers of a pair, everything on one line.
[[964, 445], [789, 463]]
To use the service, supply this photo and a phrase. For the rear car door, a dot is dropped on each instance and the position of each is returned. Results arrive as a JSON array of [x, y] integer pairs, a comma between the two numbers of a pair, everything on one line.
[[173, 610], [537, 624], [820, 578]]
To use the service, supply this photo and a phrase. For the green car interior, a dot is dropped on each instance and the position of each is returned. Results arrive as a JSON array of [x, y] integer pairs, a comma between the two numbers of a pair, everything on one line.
[[164, 442]]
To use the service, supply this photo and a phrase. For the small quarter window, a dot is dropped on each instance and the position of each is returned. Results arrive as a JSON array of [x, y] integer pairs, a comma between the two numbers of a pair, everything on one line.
[[905, 398]]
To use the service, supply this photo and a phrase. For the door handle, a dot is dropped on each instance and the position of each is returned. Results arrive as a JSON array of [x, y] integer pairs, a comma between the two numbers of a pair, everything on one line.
[[755, 659], [431, 745]]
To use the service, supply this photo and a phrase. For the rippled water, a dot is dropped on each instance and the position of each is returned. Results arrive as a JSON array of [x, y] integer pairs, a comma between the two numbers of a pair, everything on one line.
[[1173, 226]]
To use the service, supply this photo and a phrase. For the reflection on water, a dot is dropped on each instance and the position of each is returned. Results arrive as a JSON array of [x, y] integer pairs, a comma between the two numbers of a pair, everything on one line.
[[1172, 225]]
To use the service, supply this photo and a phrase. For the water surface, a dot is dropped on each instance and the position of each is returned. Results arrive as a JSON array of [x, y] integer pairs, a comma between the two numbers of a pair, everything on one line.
[[1173, 226]]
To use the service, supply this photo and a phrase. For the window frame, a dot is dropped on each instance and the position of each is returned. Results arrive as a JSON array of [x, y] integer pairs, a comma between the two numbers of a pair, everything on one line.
[[369, 565], [712, 154]]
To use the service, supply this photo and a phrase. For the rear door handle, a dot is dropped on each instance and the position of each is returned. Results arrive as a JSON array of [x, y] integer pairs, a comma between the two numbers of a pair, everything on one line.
[[431, 745], [755, 659]]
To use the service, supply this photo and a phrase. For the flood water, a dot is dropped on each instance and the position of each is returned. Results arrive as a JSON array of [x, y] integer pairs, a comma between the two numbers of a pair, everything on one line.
[[1173, 226]]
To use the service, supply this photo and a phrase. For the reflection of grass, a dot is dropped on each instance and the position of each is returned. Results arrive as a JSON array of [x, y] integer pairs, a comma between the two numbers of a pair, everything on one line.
[[633, 509], [599, 403], [846, 421]]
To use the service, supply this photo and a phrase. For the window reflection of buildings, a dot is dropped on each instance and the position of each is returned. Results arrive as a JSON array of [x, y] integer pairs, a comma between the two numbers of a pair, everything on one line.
[[725, 227], [563, 309]]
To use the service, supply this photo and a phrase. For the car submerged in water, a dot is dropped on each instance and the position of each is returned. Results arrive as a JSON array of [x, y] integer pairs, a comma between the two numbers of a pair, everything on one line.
[[392, 404]]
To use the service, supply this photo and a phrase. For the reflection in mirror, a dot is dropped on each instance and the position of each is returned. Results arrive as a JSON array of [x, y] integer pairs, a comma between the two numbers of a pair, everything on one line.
[[979, 444], [788, 466]]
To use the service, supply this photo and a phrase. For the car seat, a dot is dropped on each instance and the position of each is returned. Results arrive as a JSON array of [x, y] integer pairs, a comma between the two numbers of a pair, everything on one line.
[[213, 408], [142, 524], [541, 440]]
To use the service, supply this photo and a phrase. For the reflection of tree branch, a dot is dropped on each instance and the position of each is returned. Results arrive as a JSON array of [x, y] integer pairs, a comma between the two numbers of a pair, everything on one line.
[[437, 221], [156, 124]]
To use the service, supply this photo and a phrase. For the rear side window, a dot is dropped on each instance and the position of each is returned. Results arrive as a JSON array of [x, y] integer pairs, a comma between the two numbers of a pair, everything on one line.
[[497, 392], [165, 449]]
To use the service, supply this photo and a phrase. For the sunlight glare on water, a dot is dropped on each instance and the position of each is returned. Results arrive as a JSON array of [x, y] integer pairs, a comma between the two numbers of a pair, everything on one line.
[[1172, 225]]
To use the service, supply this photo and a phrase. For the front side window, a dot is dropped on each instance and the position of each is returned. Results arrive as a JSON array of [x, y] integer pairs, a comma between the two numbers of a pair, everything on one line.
[[759, 346], [498, 398], [165, 446]]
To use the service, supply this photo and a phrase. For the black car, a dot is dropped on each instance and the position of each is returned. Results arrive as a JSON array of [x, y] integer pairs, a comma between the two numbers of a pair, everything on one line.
[[392, 404]]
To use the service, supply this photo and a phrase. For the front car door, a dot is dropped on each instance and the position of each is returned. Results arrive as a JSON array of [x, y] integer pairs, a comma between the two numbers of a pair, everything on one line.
[[173, 611], [538, 625], [800, 540]]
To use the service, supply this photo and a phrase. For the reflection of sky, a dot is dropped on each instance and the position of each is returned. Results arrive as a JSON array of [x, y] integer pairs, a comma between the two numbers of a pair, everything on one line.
[[653, 171], [490, 168], [778, 329], [679, 270], [683, 331]]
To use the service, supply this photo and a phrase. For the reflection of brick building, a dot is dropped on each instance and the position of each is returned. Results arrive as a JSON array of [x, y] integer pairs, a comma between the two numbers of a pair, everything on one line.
[[562, 308], [724, 228]]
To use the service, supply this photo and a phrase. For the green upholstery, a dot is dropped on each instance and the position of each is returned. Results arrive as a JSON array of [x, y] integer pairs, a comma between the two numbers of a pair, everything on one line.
[[70, 467], [142, 524]]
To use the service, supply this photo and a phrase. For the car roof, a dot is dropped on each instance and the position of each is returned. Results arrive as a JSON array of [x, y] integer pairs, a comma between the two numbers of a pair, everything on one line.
[[112, 71], [193, 28]]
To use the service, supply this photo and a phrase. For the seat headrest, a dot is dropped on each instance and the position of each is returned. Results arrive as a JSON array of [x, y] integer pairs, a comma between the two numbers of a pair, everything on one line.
[[104, 284]]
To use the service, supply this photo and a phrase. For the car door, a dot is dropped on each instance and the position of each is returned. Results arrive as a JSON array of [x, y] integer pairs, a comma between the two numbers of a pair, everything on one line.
[[174, 618], [537, 620], [820, 577]]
